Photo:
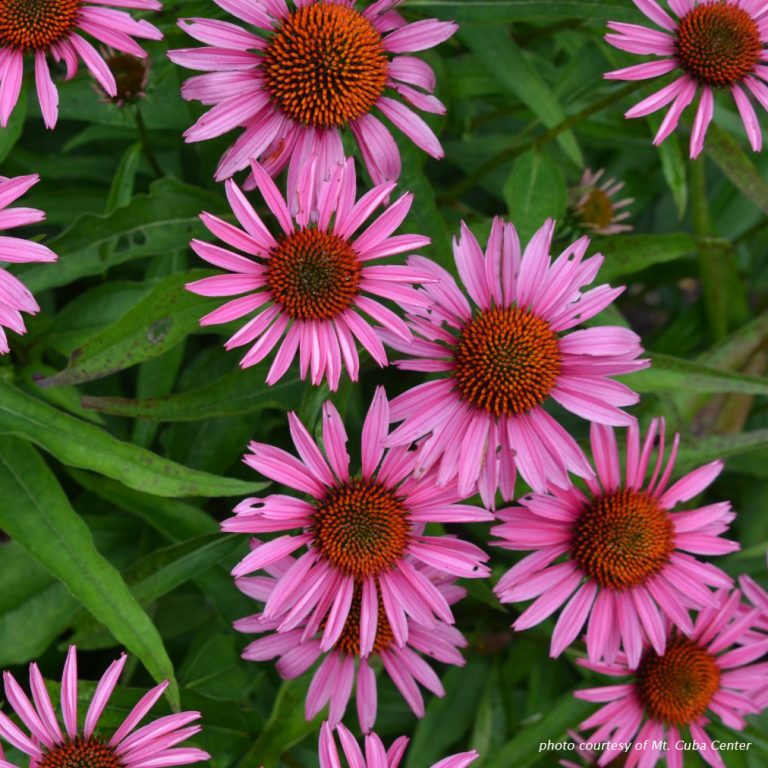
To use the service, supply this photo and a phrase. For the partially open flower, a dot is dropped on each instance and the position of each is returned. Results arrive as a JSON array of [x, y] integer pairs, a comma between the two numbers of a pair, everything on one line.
[[594, 206], [131, 77], [54, 28]]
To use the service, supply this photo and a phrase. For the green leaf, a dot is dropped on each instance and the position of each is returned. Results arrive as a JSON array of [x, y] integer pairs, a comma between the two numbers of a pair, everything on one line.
[[735, 164], [235, 394], [165, 569], [29, 629], [627, 254], [677, 374], [712, 447], [448, 719], [674, 166], [12, 132], [508, 11], [97, 134], [424, 217], [489, 731], [160, 573], [152, 224], [92, 311], [86, 446], [157, 323], [64, 398], [52, 532], [524, 749], [21, 577], [535, 190], [724, 295], [125, 177], [175, 520], [735, 351], [286, 727], [506, 62], [156, 378], [213, 667], [162, 108], [34, 608]]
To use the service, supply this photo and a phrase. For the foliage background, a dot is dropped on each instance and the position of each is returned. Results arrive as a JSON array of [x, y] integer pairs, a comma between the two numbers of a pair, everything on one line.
[[122, 423]]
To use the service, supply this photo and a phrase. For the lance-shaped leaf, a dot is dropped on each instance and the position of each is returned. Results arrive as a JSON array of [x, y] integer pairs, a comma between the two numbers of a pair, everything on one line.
[[506, 62], [37, 514], [157, 323], [235, 394], [628, 254], [152, 224], [509, 11], [82, 445], [675, 373]]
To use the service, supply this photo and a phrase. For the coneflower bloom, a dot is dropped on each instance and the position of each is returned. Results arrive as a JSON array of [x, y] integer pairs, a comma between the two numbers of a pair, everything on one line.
[[49, 745], [312, 285], [298, 78], [349, 664], [363, 534], [55, 28], [505, 358], [711, 673], [594, 206], [376, 755], [618, 555], [14, 297], [710, 45]]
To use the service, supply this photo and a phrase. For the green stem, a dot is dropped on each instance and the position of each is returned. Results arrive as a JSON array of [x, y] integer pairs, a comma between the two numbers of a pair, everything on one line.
[[702, 220], [145, 143], [715, 256], [519, 147]]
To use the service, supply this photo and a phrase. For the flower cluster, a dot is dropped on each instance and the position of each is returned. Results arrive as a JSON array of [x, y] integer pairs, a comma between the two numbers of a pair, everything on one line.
[[354, 564]]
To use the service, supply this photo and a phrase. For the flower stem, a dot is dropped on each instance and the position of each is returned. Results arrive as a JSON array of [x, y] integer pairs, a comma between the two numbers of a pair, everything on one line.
[[145, 143], [519, 147]]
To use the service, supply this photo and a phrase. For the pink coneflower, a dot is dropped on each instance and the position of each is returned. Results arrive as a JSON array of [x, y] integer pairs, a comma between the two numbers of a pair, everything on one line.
[[14, 297], [506, 357], [594, 205], [625, 563], [308, 75], [709, 673], [711, 45], [376, 756], [312, 284], [363, 534], [53, 28], [151, 746], [349, 663]]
